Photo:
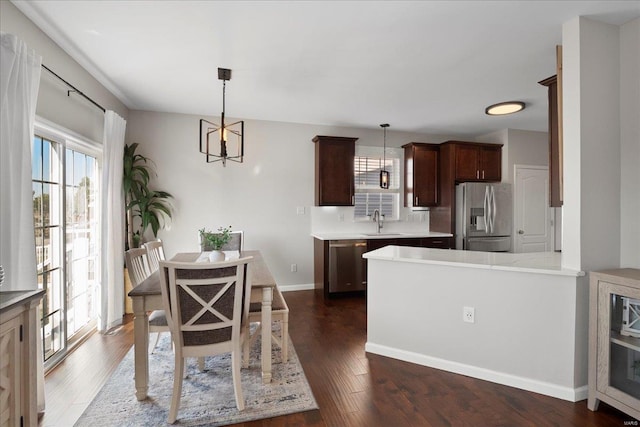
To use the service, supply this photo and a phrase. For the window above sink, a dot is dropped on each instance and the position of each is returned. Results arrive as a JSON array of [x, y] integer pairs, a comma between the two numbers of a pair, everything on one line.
[[368, 195]]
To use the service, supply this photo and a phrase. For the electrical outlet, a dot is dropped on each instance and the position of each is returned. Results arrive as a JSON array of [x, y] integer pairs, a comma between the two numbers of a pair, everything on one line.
[[294, 268], [469, 314], [341, 217]]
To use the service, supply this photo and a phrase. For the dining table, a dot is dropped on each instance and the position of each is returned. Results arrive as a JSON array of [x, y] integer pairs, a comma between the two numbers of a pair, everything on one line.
[[147, 296]]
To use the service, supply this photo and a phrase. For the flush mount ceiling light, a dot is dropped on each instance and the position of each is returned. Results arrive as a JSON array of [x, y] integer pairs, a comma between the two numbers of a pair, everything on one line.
[[503, 108], [384, 174], [230, 136]]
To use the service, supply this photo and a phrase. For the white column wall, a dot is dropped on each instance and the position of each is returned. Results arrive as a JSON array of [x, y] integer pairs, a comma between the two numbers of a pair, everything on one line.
[[630, 144], [591, 117]]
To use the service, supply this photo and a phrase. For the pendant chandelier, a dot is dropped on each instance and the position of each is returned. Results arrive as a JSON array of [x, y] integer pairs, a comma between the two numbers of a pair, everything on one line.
[[384, 174], [230, 136]]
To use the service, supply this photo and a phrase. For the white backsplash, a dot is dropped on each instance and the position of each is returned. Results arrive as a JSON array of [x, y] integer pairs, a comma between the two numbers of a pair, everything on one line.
[[340, 219]]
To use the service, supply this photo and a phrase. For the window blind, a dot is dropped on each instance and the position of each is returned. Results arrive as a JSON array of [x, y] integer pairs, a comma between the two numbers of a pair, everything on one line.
[[369, 196]]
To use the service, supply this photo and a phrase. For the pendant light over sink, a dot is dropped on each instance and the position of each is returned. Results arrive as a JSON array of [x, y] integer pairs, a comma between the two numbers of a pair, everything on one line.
[[230, 135], [384, 174]]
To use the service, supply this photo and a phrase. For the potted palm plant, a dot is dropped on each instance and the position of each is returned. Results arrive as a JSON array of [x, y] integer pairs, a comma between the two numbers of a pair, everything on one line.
[[146, 208]]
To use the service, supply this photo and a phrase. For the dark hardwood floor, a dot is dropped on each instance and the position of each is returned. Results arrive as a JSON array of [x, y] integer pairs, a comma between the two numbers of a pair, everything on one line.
[[352, 388]]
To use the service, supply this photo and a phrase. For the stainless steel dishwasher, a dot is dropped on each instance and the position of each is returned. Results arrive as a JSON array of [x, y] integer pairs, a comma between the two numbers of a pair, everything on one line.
[[347, 268]]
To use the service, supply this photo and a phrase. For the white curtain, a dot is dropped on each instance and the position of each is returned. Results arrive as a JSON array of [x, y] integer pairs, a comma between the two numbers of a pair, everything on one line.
[[20, 80], [19, 84], [112, 291]]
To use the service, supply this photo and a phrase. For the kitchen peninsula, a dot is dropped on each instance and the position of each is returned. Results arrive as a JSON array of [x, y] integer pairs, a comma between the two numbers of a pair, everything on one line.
[[514, 319]]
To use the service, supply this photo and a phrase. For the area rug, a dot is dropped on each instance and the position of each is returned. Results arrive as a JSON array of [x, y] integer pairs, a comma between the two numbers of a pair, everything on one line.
[[207, 396]]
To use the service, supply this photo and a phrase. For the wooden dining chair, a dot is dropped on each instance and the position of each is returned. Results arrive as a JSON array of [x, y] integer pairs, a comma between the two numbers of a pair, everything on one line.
[[137, 265], [235, 244], [279, 313], [157, 318], [155, 254], [205, 311]]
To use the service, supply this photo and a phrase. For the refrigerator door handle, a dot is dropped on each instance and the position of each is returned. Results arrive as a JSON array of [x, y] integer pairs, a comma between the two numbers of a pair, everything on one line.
[[490, 226], [487, 210], [494, 208], [464, 213]]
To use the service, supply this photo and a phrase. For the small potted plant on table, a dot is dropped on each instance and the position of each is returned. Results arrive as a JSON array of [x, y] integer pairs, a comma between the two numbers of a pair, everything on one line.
[[214, 242]]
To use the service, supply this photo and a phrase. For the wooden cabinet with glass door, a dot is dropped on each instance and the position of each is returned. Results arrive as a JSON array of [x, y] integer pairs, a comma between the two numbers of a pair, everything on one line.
[[614, 340]]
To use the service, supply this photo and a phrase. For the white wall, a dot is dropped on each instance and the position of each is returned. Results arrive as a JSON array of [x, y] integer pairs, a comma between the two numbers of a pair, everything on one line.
[[592, 165], [630, 144], [72, 112], [259, 196], [521, 147], [523, 331]]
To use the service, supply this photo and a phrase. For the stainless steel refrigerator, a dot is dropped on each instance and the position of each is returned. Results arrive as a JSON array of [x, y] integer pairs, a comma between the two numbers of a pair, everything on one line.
[[483, 216]]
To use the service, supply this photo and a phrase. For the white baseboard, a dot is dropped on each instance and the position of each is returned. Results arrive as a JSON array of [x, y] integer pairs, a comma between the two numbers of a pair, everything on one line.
[[300, 287], [529, 384]]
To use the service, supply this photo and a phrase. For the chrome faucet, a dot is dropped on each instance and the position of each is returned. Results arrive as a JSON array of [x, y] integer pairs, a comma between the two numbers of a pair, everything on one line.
[[378, 218]]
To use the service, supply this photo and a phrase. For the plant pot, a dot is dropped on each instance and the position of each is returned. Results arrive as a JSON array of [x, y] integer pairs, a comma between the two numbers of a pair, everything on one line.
[[216, 256]]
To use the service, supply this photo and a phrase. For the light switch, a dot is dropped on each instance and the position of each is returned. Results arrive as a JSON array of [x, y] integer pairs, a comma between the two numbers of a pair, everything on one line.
[[300, 210]]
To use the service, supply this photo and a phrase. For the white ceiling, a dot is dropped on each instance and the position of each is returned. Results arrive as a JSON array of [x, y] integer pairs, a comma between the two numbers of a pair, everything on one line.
[[422, 66]]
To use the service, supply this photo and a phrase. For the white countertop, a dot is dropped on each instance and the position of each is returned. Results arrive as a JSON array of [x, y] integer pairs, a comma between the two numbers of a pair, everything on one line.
[[383, 235], [536, 262]]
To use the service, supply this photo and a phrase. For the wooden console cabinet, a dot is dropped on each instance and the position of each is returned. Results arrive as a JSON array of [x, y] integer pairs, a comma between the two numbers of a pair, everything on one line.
[[614, 348], [18, 357], [334, 170]]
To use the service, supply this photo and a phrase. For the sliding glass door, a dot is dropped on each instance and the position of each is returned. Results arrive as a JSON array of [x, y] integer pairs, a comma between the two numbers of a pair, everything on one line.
[[47, 215], [81, 241], [66, 219]]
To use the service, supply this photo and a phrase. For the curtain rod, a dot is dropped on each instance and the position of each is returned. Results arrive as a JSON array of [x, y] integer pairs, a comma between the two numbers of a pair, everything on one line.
[[75, 89]]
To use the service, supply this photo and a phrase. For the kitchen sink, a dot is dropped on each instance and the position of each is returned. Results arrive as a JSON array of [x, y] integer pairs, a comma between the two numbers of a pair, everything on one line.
[[383, 234]]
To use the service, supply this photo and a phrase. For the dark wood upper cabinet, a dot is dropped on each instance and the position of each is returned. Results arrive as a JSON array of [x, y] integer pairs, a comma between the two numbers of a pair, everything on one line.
[[421, 168], [476, 162], [466, 162], [555, 165], [462, 161], [334, 170], [491, 163]]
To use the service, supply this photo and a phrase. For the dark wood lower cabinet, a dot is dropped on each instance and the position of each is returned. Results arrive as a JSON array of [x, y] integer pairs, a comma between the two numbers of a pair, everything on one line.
[[322, 254]]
